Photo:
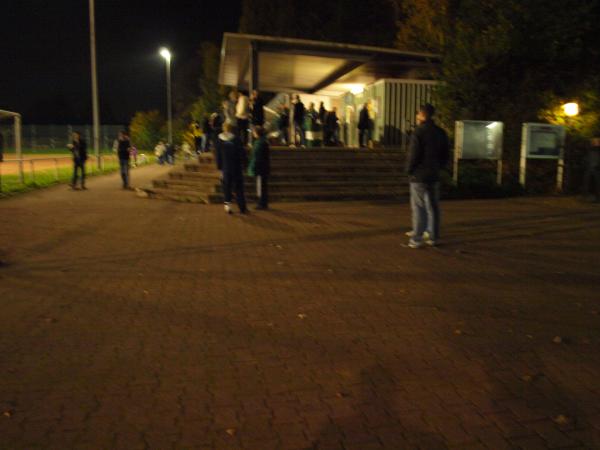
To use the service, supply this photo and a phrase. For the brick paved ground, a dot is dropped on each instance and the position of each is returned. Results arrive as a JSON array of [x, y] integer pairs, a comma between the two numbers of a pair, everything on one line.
[[131, 323]]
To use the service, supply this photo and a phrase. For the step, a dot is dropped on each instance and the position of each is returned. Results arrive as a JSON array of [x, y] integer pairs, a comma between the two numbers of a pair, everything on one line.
[[319, 196], [282, 183]]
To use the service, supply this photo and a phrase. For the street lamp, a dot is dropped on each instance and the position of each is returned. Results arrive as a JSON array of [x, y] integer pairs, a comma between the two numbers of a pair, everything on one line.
[[165, 53], [571, 109]]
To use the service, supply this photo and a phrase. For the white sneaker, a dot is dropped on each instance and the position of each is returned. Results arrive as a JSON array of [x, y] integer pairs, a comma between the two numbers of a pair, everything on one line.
[[429, 242], [415, 244], [411, 233], [228, 209]]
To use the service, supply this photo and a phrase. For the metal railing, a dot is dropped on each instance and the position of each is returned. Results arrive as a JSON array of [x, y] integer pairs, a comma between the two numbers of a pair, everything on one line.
[[27, 173]]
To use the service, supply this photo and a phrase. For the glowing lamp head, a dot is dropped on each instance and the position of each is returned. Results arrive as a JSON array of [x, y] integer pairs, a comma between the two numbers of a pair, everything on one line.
[[571, 109], [356, 89], [165, 53]]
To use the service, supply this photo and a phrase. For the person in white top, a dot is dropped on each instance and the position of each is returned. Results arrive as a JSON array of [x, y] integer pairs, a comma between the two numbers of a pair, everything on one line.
[[242, 114]]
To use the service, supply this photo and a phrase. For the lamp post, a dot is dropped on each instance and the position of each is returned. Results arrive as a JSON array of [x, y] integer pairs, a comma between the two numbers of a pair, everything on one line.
[[165, 53], [95, 107]]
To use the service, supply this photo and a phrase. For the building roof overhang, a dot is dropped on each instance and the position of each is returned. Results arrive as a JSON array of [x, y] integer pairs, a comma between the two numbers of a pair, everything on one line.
[[315, 67]]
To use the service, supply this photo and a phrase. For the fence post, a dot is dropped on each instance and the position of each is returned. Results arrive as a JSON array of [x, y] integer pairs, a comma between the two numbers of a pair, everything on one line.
[[32, 170]]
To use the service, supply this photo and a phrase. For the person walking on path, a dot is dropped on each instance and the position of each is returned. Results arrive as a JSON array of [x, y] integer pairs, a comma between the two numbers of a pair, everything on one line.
[[299, 112], [591, 183], [427, 155], [242, 114], [260, 166], [231, 159], [123, 151], [78, 148], [364, 126]]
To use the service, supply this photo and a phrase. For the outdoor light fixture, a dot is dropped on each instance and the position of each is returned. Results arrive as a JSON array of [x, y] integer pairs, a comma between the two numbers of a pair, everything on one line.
[[571, 109], [165, 53], [492, 125], [356, 89]]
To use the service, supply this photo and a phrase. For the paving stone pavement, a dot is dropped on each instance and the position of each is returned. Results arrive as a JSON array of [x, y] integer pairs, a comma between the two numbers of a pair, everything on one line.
[[129, 323]]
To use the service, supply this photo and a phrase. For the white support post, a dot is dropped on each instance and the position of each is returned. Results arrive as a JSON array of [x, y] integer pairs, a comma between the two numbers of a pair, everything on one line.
[[560, 170], [523, 160]]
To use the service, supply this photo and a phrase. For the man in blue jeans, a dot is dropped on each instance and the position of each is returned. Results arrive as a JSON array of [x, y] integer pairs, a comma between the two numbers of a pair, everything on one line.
[[428, 154]]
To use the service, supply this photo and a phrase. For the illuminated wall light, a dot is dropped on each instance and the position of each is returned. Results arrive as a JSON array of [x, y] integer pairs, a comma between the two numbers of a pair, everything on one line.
[[357, 89], [571, 109]]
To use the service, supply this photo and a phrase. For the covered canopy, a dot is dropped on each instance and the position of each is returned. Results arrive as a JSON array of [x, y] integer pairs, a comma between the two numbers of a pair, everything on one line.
[[276, 64]]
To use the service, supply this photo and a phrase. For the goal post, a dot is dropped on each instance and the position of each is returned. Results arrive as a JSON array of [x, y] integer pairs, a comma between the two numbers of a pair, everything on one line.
[[16, 117]]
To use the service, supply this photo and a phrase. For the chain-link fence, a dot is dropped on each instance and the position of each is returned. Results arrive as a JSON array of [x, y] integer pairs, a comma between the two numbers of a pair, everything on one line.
[[54, 138]]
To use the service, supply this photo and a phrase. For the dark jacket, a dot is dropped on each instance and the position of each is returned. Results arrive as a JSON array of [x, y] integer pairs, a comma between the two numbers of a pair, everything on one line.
[[260, 162], [363, 119], [79, 151], [299, 113], [231, 156], [123, 149], [428, 153], [258, 113]]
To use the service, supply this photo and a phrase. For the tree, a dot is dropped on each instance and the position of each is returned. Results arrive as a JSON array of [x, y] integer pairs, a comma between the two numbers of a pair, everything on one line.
[[147, 128], [504, 59]]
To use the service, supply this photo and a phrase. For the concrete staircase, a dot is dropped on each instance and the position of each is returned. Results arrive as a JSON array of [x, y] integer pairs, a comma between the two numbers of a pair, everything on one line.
[[324, 174]]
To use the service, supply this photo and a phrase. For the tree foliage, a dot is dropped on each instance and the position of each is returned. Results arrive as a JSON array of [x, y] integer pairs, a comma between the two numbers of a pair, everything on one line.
[[505, 59], [147, 128], [210, 93], [368, 22]]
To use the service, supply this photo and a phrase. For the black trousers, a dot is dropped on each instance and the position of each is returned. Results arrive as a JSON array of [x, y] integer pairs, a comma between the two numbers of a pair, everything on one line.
[[78, 166], [243, 130], [235, 182], [262, 190]]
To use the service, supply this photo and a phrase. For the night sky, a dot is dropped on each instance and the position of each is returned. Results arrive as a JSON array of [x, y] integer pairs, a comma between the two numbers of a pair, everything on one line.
[[45, 60]]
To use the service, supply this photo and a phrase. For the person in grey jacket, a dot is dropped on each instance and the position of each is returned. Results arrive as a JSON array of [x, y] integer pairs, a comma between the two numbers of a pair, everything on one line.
[[428, 155]]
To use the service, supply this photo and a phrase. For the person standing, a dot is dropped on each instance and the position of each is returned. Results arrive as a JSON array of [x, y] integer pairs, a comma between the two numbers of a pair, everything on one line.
[[216, 127], [258, 109], [332, 127], [78, 148], [260, 166], [427, 155], [283, 123], [123, 151], [231, 159], [363, 126], [299, 112], [591, 180], [197, 135], [229, 108], [242, 114]]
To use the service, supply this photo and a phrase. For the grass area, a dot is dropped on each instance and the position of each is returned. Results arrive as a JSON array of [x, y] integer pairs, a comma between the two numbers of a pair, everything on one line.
[[11, 184], [52, 151]]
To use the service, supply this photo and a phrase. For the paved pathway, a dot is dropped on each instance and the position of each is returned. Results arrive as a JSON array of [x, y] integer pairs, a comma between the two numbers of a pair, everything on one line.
[[130, 323]]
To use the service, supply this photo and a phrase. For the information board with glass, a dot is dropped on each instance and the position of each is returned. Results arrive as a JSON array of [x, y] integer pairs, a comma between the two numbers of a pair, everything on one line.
[[478, 139], [543, 141]]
